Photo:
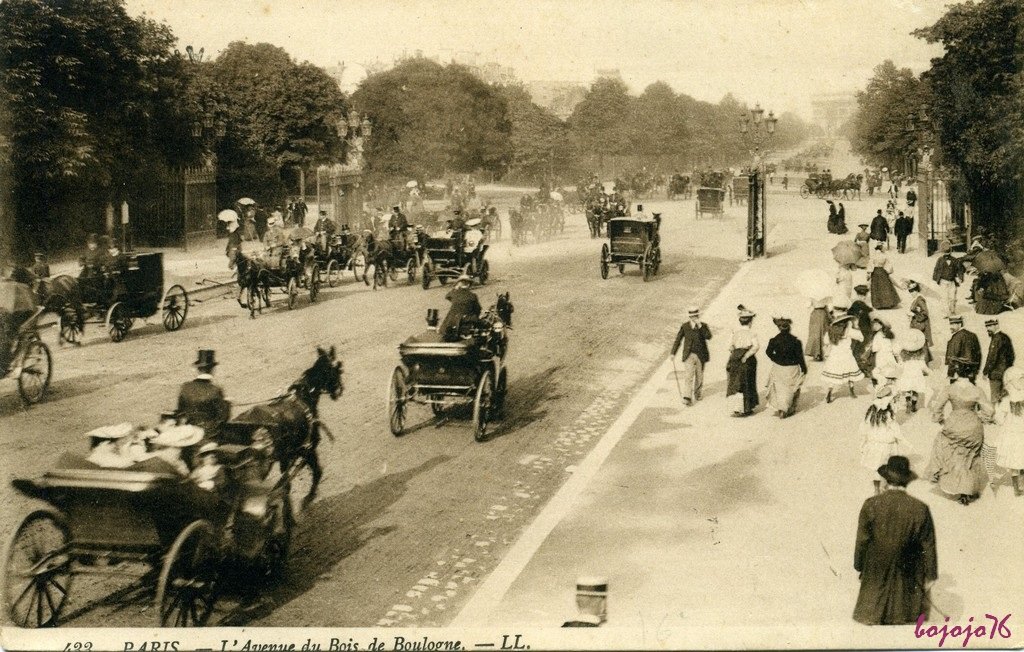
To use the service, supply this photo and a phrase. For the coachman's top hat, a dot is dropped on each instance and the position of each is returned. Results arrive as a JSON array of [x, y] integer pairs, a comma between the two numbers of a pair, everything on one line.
[[897, 471], [205, 360]]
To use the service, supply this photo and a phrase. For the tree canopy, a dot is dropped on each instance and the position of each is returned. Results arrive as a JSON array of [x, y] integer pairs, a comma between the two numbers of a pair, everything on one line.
[[880, 124]]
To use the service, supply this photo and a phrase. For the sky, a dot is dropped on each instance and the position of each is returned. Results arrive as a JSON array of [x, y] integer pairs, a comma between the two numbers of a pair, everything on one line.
[[776, 52]]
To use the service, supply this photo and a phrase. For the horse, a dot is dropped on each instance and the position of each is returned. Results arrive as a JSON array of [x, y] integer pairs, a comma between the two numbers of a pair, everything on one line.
[[248, 271], [293, 419], [62, 296]]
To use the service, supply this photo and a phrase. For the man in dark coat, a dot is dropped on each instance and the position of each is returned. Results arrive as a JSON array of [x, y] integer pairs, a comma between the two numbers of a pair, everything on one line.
[[880, 228], [1000, 358], [464, 304], [895, 551], [693, 335], [962, 345], [904, 227], [200, 401]]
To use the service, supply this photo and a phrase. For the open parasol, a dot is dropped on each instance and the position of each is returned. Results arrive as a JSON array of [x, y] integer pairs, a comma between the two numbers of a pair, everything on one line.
[[246, 201], [411, 184], [227, 215], [847, 252], [300, 233], [988, 262], [815, 284]]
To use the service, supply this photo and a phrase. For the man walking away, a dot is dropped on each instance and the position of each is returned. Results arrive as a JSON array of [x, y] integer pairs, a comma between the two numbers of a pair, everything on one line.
[[904, 227], [963, 345], [880, 229], [1000, 358], [693, 336]]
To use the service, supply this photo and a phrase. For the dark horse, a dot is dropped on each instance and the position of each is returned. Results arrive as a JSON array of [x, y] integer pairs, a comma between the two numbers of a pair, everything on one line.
[[293, 419], [62, 296], [249, 283]]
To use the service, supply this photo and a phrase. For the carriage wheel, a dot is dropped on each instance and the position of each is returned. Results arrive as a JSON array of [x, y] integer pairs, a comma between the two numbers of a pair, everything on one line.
[[118, 322], [804, 192], [392, 272], [359, 267], [398, 390], [175, 307], [485, 271], [314, 283], [70, 330], [37, 570], [293, 291], [482, 406], [333, 273], [604, 261], [427, 275], [410, 270], [647, 264], [36, 368], [185, 591]]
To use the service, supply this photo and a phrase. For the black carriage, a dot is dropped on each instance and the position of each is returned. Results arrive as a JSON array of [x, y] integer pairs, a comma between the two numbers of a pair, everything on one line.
[[709, 200], [446, 375], [118, 294], [148, 521], [632, 241], [445, 257], [281, 269], [400, 253], [23, 355], [333, 256], [740, 190], [678, 186]]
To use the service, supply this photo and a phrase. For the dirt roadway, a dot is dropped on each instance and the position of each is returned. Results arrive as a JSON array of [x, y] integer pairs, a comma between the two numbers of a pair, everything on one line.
[[404, 528]]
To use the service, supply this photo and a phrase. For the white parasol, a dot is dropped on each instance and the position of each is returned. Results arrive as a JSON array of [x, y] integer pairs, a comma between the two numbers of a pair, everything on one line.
[[815, 284], [246, 201], [227, 215], [411, 184]]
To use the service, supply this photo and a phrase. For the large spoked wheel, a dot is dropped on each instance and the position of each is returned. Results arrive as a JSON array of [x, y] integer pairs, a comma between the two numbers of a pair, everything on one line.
[[428, 275], [410, 270], [647, 263], [359, 267], [118, 322], [314, 283], [604, 261], [393, 272], [293, 291], [175, 307], [485, 272], [185, 592], [37, 570], [333, 273], [398, 390], [804, 192], [36, 369], [70, 330], [482, 406]]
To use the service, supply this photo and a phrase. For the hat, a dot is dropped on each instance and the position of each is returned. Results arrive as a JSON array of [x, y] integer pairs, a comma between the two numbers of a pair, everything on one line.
[[639, 207], [861, 289], [1013, 383], [945, 246], [205, 359], [839, 320], [897, 471], [464, 278], [597, 586], [118, 431], [991, 322], [863, 226], [693, 311], [745, 313], [955, 319], [473, 222], [913, 340], [179, 436]]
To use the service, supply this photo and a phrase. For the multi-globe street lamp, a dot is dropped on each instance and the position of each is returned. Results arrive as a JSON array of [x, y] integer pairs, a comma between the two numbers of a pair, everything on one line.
[[758, 131]]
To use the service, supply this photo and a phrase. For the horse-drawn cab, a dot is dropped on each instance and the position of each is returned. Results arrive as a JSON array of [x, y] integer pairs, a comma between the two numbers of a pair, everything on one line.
[[445, 257], [633, 241]]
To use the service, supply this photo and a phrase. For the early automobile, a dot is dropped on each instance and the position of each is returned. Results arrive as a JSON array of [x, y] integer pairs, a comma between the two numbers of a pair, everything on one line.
[[633, 241]]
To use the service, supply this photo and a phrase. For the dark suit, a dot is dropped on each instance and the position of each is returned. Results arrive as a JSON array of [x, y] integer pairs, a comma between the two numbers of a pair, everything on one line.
[[464, 304], [904, 227], [895, 555], [964, 344], [880, 228], [202, 404], [695, 355], [1000, 358]]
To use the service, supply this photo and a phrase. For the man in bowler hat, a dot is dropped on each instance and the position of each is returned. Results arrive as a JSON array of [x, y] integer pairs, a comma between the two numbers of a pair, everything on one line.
[[201, 402]]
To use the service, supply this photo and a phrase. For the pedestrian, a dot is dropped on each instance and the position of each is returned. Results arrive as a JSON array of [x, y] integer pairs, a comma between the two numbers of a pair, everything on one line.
[[201, 402], [948, 275], [962, 345], [990, 293], [919, 318], [913, 383], [785, 181], [895, 551], [879, 229], [841, 218], [881, 436], [863, 240], [742, 365], [1000, 358], [234, 242], [788, 369], [817, 329], [911, 203], [882, 346], [840, 367], [693, 335], [1009, 416], [883, 293], [903, 228], [861, 311], [844, 285], [955, 462]]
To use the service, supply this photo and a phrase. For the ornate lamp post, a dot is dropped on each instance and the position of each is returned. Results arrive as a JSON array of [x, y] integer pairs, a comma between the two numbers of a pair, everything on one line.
[[758, 131]]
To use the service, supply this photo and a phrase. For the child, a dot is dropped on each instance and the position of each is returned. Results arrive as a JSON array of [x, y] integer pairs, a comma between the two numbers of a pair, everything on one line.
[[913, 382], [881, 433]]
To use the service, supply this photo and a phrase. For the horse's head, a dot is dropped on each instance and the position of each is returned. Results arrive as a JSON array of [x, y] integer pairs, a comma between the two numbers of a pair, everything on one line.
[[504, 308], [325, 374]]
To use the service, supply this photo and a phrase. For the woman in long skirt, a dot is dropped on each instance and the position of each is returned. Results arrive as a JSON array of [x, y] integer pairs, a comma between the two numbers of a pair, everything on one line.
[[787, 371], [880, 432], [883, 293], [840, 367], [956, 463], [1009, 415], [742, 366], [919, 318], [883, 347], [817, 329]]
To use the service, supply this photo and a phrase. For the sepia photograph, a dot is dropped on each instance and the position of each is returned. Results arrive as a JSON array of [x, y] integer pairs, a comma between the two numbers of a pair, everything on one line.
[[422, 325]]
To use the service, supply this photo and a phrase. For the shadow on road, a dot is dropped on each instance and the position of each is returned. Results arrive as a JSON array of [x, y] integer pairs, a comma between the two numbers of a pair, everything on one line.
[[64, 388], [526, 400]]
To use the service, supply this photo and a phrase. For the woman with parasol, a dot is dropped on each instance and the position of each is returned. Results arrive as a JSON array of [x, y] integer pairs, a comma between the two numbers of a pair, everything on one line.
[[883, 293]]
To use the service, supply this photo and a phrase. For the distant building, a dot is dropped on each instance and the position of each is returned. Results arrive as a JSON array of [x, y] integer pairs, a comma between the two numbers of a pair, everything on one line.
[[559, 97], [609, 73], [831, 110]]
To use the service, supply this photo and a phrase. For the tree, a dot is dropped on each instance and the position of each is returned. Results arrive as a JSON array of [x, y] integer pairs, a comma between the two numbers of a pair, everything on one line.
[[600, 123], [431, 119], [540, 141], [660, 125], [880, 124]]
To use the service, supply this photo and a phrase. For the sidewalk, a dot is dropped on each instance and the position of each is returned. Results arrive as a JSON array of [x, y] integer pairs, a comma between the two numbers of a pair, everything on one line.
[[715, 531]]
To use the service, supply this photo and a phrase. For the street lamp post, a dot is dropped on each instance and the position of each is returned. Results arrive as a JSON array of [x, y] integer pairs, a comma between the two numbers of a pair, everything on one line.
[[758, 131]]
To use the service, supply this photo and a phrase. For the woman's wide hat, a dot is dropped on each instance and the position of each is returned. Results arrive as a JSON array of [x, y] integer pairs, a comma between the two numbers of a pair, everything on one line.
[[913, 340], [897, 471]]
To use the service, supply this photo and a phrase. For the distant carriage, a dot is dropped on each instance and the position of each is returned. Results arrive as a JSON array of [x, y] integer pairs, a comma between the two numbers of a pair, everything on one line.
[[679, 186], [259, 275], [709, 200], [740, 190], [632, 241]]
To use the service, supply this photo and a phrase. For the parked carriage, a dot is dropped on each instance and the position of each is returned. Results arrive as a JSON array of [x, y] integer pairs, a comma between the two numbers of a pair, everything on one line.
[[445, 258], [26, 358], [709, 200], [632, 241], [117, 297], [446, 375]]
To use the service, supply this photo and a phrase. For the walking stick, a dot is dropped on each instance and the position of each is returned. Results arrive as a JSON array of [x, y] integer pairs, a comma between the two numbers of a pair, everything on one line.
[[675, 374]]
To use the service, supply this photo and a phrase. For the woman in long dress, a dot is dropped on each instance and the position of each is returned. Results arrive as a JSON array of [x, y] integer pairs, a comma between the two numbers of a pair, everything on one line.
[[1009, 415], [817, 329], [913, 383], [788, 369], [883, 347], [840, 367], [844, 286], [880, 433], [883, 293], [956, 463], [919, 318], [742, 366], [863, 240]]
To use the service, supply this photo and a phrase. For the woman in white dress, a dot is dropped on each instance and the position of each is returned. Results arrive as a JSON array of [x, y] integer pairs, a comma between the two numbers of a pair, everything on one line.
[[880, 433], [840, 367], [883, 347], [1009, 415], [913, 383]]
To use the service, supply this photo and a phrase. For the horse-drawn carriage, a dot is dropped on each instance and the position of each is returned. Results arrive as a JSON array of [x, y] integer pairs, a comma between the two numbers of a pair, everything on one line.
[[740, 190], [823, 186], [23, 355], [709, 200], [632, 241], [282, 269], [389, 256], [679, 186], [332, 256], [444, 375], [445, 257], [129, 289]]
